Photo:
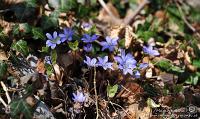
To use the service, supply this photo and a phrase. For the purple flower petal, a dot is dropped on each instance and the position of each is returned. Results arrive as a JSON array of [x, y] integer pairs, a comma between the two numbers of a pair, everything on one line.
[[143, 65], [49, 36], [137, 74], [53, 46], [55, 34]]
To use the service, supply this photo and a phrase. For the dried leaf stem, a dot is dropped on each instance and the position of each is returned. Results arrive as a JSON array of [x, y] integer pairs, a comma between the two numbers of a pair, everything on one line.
[[130, 19], [3, 102], [96, 96], [6, 91], [185, 20], [115, 19]]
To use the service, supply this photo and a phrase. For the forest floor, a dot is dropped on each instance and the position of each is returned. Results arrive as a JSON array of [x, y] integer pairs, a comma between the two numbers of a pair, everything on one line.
[[96, 59]]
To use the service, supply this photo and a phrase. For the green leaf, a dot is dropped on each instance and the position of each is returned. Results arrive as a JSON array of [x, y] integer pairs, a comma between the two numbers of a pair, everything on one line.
[[73, 45], [26, 28], [45, 49], [15, 30], [122, 43], [176, 69], [152, 104], [196, 63], [112, 90], [173, 11], [178, 88], [93, 2], [31, 3], [21, 46], [164, 64], [63, 5], [54, 56], [167, 65], [20, 106], [38, 33], [3, 69], [49, 69], [146, 35], [50, 21], [193, 79]]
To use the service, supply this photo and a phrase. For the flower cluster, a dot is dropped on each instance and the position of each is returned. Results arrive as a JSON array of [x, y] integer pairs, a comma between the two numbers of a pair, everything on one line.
[[56, 38], [126, 62], [102, 62]]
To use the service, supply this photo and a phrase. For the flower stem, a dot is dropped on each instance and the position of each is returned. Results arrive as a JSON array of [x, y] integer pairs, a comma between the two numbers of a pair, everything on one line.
[[96, 96]]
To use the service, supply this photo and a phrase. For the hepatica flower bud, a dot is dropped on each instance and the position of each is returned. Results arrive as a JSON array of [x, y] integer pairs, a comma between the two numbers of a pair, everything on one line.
[[149, 50], [110, 43], [67, 35], [78, 97], [52, 40]]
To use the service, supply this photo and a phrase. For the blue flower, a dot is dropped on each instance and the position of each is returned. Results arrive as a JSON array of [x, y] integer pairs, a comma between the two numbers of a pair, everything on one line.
[[88, 48], [88, 39], [67, 35], [91, 62], [149, 50], [47, 59], [86, 26], [143, 65], [137, 74], [110, 43], [78, 97], [103, 62], [126, 62], [52, 41]]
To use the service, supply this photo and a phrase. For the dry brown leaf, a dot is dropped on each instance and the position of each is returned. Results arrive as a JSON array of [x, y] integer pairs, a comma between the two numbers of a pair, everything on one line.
[[105, 17], [65, 60], [128, 36], [3, 55], [191, 68], [149, 73], [167, 78], [160, 14], [115, 30], [40, 67], [136, 113], [59, 74], [130, 91], [187, 58], [31, 101], [7, 26]]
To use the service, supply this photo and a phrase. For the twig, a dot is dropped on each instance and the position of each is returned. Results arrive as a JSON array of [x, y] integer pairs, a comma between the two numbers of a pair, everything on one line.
[[115, 19], [130, 19], [6, 90], [96, 96], [185, 20], [3, 102], [119, 106]]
